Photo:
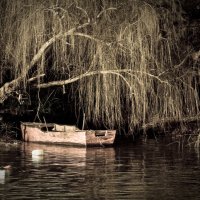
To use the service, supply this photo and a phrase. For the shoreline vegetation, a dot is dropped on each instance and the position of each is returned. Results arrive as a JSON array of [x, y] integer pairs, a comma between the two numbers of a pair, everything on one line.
[[131, 66], [185, 133]]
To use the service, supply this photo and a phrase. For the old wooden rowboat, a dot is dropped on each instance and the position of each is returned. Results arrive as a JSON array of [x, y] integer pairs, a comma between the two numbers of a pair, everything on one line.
[[64, 134]]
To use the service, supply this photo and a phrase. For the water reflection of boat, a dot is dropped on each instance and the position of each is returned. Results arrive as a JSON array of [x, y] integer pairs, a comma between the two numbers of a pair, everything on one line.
[[4, 174], [68, 135], [55, 149], [52, 153]]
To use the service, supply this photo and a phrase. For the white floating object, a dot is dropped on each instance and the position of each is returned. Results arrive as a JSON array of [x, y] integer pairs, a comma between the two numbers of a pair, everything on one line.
[[37, 152]]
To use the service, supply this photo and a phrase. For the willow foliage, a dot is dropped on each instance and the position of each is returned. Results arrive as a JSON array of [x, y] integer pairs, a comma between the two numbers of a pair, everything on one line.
[[132, 52]]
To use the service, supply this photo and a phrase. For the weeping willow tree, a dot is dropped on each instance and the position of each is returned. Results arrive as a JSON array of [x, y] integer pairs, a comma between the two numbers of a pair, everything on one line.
[[128, 58]]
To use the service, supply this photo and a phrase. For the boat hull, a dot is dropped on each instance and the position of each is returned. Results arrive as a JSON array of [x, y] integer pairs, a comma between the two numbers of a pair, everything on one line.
[[67, 135]]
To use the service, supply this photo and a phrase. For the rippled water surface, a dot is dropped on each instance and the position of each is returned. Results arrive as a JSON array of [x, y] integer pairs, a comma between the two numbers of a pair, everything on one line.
[[141, 171]]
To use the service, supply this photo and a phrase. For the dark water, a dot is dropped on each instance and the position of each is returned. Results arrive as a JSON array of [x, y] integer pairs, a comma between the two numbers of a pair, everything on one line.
[[141, 171]]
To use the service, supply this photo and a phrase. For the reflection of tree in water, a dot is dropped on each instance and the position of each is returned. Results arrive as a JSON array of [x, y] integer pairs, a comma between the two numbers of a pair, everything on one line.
[[99, 171], [113, 171], [142, 170], [133, 172]]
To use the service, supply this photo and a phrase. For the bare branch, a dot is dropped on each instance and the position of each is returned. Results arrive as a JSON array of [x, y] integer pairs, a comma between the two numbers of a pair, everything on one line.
[[91, 38], [36, 77], [84, 11], [92, 73], [105, 11]]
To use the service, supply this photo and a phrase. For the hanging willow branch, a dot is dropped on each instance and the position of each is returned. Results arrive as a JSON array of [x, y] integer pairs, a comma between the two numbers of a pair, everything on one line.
[[11, 86], [126, 58]]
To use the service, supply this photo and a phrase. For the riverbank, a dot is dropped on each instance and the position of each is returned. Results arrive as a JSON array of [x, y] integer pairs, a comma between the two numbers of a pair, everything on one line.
[[184, 135], [185, 132], [9, 141]]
